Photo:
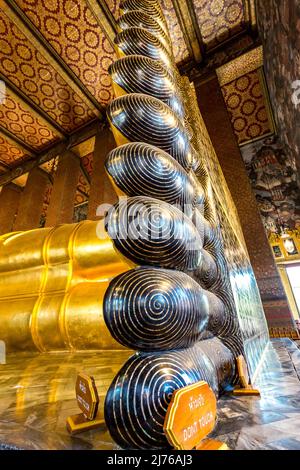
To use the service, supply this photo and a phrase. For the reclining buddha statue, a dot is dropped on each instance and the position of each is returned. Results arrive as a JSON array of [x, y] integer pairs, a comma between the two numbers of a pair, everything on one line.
[[151, 275]]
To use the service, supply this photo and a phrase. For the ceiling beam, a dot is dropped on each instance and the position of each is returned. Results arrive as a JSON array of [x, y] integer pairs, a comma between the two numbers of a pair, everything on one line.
[[57, 149], [247, 21], [85, 133], [207, 69], [253, 14], [190, 68], [31, 106], [250, 14], [182, 10], [228, 42], [4, 165], [105, 19], [18, 17], [29, 165], [192, 27]]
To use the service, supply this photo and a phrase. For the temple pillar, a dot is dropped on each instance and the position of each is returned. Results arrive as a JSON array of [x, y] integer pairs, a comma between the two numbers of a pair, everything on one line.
[[61, 207], [217, 120], [9, 203], [32, 199], [101, 189]]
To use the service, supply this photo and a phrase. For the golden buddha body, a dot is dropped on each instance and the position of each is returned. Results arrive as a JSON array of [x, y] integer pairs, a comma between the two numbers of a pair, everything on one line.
[[52, 282]]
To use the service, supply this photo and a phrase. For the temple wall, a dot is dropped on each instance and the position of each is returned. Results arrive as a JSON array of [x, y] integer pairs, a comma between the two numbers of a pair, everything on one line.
[[216, 118], [279, 24]]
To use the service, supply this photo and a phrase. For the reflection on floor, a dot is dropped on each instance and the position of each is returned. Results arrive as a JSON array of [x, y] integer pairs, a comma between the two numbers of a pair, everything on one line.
[[37, 396], [273, 421]]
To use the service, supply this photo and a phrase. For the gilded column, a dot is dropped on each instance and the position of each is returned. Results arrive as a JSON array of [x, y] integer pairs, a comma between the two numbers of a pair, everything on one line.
[[9, 203], [61, 205], [101, 190], [31, 201]]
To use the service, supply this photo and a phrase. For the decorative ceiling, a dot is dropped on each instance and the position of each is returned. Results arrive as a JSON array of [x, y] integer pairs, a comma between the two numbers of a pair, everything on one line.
[[23, 65], [219, 20], [10, 154], [22, 124], [72, 30], [55, 55], [113, 6], [213, 23]]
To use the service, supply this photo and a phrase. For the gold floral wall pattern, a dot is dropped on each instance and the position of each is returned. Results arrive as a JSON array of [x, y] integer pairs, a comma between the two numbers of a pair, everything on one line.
[[246, 104], [87, 162]]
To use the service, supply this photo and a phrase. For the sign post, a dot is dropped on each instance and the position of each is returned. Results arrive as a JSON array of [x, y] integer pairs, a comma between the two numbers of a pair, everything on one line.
[[88, 401], [191, 416], [245, 387], [2, 353]]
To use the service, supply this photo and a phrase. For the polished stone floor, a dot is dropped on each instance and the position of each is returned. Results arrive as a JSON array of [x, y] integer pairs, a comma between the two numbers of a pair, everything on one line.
[[37, 395], [271, 422]]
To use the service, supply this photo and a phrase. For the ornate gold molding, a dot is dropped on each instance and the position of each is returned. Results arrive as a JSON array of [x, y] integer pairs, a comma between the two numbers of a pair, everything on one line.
[[236, 68]]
